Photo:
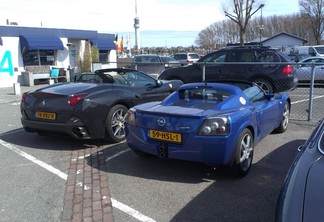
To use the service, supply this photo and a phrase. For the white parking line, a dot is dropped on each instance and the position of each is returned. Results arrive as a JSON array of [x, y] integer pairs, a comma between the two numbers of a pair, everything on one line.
[[116, 155], [304, 100], [130, 211], [34, 160], [126, 209]]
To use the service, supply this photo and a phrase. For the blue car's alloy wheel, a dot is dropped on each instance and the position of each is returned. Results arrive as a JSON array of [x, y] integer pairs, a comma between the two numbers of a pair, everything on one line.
[[244, 153], [285, 119]]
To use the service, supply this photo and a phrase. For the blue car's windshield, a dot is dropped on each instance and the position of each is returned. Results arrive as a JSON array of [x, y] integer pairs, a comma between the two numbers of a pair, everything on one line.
[[204, 94]]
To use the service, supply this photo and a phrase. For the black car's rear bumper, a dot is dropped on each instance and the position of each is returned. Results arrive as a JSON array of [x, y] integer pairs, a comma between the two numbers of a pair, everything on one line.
[[285, 84], [75, 129]]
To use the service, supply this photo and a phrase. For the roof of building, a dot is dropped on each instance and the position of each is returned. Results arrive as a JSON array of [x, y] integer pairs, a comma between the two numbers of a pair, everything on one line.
[[265, 39], [49, 38]]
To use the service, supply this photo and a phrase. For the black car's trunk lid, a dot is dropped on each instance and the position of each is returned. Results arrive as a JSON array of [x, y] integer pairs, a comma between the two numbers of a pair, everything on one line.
[[53, 103]]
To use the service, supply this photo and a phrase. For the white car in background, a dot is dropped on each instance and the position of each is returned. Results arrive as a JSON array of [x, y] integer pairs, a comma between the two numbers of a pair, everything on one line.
[[186, 58]]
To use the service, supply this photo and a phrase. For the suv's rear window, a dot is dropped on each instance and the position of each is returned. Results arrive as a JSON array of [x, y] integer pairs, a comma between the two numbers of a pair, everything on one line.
[[193, 56], [268, 56], [180, 56]]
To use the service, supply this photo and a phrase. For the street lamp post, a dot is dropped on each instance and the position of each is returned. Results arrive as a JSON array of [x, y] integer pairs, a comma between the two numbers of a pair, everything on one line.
[[261, 25]]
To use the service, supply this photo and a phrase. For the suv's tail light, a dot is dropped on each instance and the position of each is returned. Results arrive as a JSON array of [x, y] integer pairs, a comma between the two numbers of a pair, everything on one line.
[[74, 99], [288, 70], [23, 97]]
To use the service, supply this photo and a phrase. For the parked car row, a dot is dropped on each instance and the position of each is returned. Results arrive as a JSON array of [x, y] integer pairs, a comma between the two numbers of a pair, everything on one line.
[[172, 120], [152, 64], [249, 63], [217, 120]]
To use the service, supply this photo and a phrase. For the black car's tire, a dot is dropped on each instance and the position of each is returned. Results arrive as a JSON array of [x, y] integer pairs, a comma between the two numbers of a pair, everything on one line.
[[265, 85], [115, 129], [244, 153], [285, 119]]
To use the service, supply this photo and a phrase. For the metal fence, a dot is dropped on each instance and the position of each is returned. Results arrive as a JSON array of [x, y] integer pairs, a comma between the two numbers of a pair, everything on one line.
[[307, 99]]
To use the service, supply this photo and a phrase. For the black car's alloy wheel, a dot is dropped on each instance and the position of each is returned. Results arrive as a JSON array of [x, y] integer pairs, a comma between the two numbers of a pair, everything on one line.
[[244, 153], [115, 129]]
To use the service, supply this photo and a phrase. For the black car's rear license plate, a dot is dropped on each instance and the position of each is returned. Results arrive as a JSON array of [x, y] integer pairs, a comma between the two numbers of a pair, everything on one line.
[[165, 136], [45, 115]]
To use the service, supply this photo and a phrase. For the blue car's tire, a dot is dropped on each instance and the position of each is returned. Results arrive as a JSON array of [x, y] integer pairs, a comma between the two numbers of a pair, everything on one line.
[[285, 119], [244, 153]]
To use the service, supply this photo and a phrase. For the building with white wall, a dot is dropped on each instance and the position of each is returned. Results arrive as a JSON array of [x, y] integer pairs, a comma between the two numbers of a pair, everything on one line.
[[23, 47]]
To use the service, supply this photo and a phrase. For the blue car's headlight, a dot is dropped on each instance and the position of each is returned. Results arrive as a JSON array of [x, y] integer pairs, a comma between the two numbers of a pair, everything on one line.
[[215, 126], [131, 117]]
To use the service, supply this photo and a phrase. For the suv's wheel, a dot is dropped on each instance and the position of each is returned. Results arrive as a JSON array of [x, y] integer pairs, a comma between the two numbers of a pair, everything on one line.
[[265, 85], [115, 129]]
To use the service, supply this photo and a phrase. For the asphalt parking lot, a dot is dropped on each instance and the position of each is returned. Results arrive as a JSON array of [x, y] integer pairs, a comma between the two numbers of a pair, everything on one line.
[[60, 179]]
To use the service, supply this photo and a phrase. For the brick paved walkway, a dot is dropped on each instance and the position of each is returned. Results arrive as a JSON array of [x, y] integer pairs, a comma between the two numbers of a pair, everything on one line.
[[87, 195]]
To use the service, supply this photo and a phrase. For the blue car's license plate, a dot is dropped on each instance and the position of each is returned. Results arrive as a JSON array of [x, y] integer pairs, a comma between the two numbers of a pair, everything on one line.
[[165, 136]]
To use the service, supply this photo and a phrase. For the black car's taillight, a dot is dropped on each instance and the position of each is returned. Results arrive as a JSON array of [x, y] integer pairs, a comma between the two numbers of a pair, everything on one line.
[[288, 70], [75, 99]]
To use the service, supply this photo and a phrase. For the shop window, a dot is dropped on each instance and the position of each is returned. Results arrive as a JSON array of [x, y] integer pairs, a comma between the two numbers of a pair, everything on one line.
[[103, 56], [39, 57]]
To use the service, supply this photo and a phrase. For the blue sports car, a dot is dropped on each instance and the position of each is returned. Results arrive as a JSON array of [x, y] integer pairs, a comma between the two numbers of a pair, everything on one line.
[[212, 123]]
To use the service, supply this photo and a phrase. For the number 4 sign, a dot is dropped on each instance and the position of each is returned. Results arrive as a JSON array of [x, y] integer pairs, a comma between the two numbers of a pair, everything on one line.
[[6, 63]]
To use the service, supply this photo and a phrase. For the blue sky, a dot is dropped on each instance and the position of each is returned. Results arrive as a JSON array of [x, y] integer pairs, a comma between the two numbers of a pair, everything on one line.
[[111, 16]]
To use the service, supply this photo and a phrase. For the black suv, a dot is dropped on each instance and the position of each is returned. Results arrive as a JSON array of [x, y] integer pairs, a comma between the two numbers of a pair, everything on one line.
[[269, 68]]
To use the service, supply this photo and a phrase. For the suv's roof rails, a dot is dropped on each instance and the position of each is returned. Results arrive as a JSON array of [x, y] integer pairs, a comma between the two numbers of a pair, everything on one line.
[[246, 45]]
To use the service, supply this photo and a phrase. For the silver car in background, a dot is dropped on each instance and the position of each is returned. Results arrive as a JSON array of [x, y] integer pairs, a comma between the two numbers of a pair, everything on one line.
[[304, 70]]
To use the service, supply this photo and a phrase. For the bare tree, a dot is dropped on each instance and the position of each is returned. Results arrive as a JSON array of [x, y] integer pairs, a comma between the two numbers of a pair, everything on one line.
[[243, 10], [220, 33], [314, 10]]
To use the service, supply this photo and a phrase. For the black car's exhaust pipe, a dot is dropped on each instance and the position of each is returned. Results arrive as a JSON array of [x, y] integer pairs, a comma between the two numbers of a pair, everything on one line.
[[81, 132]]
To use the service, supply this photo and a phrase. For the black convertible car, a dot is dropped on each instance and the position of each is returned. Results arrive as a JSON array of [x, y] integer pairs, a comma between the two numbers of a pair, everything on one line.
[[92, 107]]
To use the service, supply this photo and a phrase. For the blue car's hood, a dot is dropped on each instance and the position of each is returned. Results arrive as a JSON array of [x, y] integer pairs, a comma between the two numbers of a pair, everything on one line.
[[314, 195]]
